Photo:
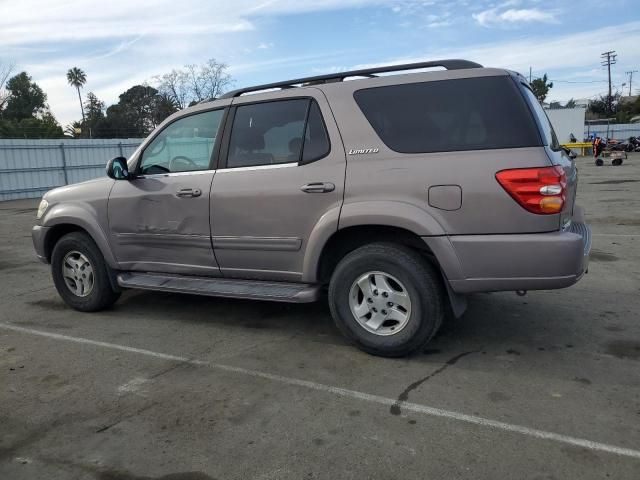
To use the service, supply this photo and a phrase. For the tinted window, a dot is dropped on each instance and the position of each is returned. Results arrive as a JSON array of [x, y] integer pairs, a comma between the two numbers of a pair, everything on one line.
[[316, 140], [184, 145], [267, 133], [448, 115], [547, 129]]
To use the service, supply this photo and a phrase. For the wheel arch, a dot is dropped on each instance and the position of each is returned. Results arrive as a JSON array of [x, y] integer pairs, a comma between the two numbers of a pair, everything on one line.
[[73, 221], [347, 239]]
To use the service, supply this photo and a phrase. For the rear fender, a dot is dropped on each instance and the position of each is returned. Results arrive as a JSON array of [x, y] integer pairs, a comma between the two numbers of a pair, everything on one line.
[[390, 213]]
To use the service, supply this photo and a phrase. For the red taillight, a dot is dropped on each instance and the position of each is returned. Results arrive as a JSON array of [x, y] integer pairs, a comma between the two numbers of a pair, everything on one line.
[[539, 190]]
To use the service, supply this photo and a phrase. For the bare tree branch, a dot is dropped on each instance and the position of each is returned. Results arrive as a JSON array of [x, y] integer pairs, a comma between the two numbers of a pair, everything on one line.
[[5, 72], [194, 83]]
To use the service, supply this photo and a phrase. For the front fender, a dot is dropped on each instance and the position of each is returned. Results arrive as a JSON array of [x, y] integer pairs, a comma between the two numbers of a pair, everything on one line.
[[82, 215]]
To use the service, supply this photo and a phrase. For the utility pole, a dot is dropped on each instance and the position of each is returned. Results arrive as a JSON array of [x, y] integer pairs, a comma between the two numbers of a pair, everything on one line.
[[630, 73], [608, 59], [529, 74]]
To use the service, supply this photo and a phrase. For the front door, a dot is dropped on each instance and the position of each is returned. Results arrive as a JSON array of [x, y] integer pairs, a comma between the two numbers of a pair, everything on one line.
[[283, 174], [159, 221]]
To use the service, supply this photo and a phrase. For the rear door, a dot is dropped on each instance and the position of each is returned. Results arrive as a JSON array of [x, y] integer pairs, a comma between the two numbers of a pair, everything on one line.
[[282, 173], [439, 142], [159, 221]]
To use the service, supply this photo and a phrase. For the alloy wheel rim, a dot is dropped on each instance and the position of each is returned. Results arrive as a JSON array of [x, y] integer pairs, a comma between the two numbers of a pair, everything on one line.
[[77, 272], [380, 303]]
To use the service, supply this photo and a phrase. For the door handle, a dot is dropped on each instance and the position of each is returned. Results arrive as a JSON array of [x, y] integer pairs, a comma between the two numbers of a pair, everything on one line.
[[189, 193], [318, 187]]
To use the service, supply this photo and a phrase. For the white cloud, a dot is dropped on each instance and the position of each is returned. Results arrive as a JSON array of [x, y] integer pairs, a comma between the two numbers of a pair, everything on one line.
[[498, 17], [440, 24], [33, 21], [571, 53]]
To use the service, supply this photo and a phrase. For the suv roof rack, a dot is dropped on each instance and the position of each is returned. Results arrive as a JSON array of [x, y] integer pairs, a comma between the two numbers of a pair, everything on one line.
[[451, 64]]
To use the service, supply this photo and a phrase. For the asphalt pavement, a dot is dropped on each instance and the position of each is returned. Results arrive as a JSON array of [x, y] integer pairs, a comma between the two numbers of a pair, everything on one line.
[[177, 387]]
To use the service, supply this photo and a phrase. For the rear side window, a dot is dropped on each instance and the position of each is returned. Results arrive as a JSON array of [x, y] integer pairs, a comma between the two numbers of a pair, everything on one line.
[[284, 131], [450, 115], [545, 124], [316, 141]]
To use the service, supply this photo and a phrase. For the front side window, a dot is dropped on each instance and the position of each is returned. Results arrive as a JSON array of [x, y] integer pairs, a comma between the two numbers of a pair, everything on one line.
[[184, 145], [283, 131], [450, 115]]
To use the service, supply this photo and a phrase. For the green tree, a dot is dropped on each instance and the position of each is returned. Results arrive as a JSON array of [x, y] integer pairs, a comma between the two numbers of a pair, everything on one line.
[[25, 98], [599, 108], [163, 107], [43, 126], [77, 78], [94, 114], [139, 110], [74, 129], [541, 87]]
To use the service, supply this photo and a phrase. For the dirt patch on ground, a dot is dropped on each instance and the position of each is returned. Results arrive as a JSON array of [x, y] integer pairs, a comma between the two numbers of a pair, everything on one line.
[[624, 349], [598, 256]]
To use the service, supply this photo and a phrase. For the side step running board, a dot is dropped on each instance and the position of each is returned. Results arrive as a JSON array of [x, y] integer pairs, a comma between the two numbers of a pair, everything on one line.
[[222, 287]]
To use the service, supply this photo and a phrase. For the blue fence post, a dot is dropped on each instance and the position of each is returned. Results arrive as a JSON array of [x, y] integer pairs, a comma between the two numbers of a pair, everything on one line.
[[64, 164]]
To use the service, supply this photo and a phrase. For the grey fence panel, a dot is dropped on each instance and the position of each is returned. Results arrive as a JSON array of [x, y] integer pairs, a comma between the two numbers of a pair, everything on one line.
[[619, 131], [28, 168]]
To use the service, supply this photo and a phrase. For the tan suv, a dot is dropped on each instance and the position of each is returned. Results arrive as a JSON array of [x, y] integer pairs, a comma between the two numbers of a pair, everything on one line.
[[401, 193]]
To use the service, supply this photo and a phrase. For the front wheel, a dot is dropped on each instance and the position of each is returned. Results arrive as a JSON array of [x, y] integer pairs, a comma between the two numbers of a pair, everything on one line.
[[387, 299], [80, 273]]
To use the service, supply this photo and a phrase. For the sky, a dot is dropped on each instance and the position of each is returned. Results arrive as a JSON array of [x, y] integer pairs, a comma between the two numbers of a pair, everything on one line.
[[120, 43]]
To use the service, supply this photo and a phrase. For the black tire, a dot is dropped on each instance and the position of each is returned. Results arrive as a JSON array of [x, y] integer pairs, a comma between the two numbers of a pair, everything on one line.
[[599, 162], [616, 162], [102, 295], [422, 282]]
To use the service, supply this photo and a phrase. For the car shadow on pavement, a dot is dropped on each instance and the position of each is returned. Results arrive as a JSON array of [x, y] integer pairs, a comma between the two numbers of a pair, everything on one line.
[[500, 323]]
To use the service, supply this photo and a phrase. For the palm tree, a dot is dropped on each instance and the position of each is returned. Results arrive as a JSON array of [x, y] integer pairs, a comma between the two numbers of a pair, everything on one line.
[[77, 78]]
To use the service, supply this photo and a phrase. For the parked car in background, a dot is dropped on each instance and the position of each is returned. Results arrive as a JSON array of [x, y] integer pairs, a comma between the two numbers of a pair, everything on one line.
[[400, 193]]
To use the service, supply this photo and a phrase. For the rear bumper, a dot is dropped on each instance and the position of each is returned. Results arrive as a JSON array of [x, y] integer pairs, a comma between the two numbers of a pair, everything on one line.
[[539, 261], [38, 235]]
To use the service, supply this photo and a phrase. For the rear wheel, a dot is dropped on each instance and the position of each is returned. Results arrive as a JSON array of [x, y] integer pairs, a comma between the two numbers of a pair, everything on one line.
[[80, 273], [387, 299]]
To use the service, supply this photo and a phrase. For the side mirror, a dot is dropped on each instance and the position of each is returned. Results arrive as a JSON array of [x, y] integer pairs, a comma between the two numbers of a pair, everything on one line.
[[117, 169]]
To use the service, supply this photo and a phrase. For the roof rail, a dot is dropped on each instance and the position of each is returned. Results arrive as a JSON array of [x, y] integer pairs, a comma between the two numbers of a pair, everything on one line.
[[452, 64]]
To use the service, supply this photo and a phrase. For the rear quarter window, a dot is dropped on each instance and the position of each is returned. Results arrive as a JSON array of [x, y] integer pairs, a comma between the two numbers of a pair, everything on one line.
[[450, 115]]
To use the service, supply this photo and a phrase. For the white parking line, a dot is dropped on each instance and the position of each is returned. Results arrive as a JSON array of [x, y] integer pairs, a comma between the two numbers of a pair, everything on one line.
[[343, 392], [614, 235]]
